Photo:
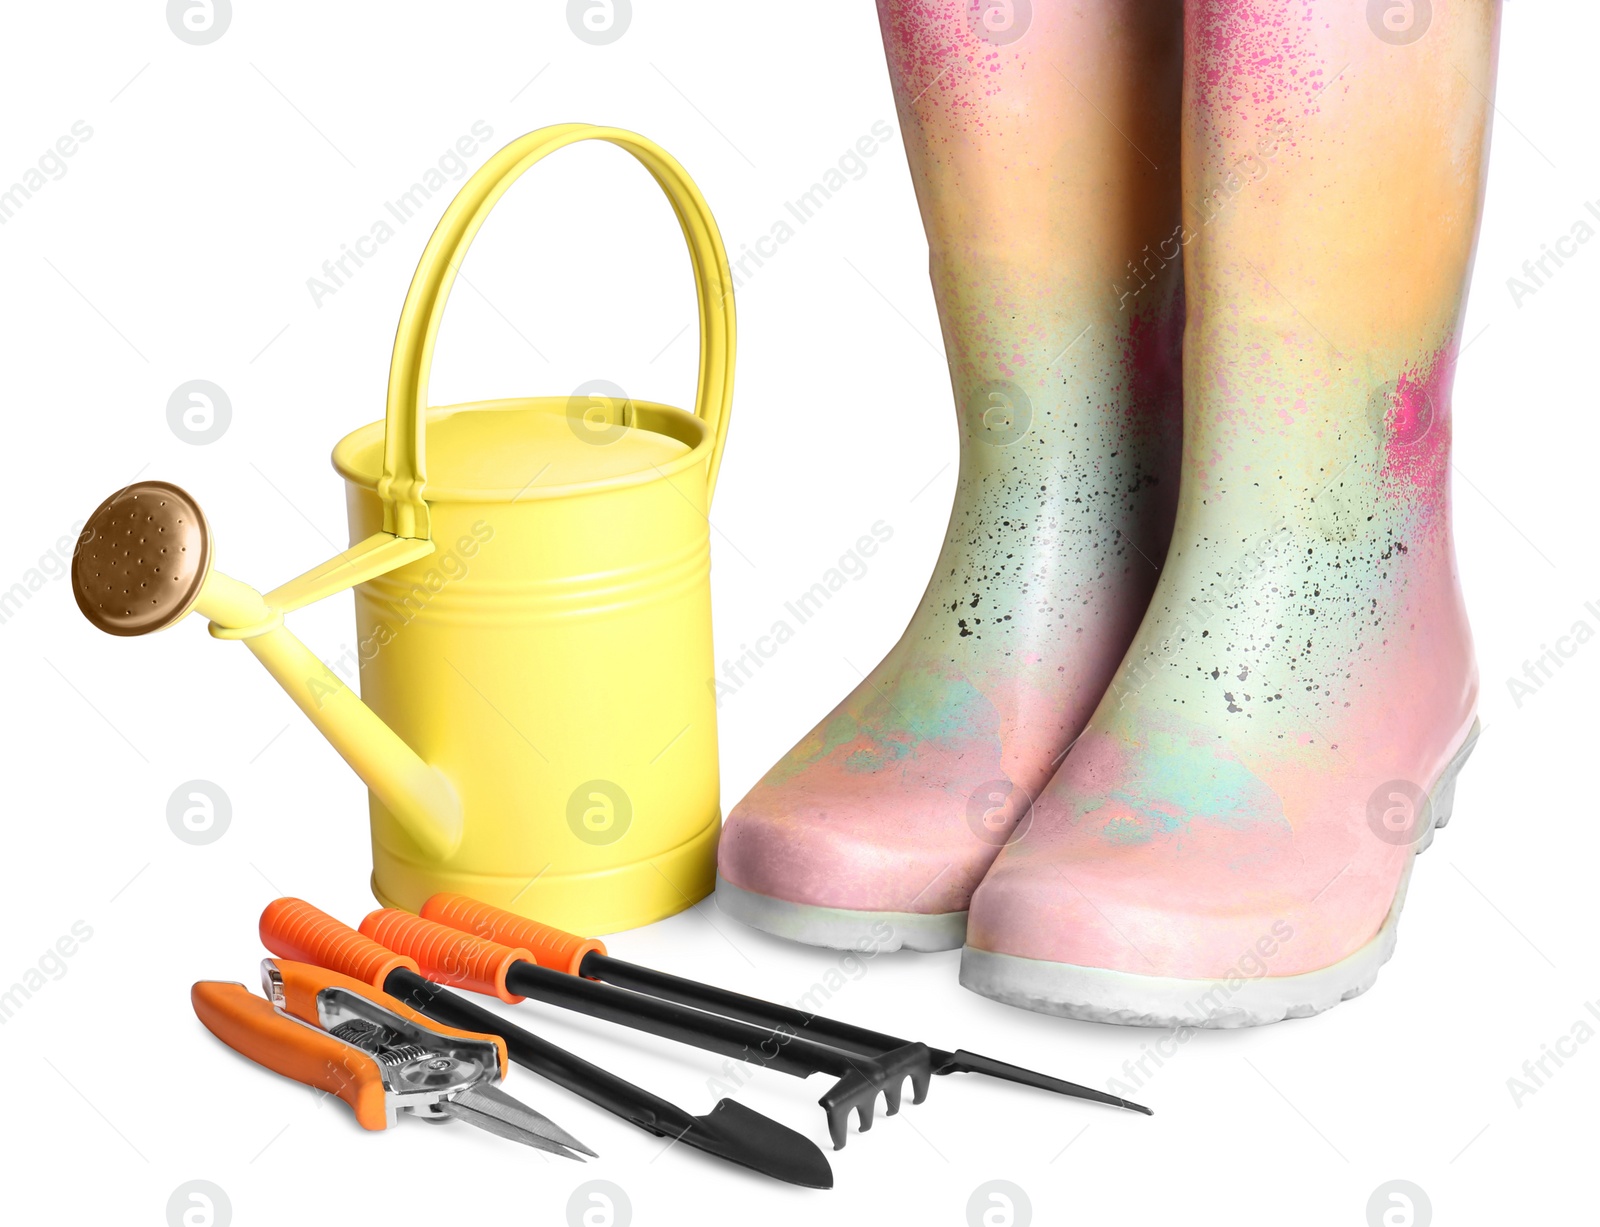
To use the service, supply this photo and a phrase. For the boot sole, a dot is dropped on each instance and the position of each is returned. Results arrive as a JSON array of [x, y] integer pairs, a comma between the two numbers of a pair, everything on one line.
[[842, 928], [1094, 994]]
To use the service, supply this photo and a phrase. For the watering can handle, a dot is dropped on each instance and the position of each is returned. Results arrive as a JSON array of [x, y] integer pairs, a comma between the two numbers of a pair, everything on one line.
[[401, 487]]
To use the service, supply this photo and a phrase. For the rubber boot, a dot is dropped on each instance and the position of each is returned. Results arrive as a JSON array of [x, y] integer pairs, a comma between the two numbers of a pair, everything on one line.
[[1230, 840], [1044, 161]]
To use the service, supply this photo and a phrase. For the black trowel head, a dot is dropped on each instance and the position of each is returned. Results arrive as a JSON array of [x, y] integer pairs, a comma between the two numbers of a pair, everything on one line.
[[734, 1132]]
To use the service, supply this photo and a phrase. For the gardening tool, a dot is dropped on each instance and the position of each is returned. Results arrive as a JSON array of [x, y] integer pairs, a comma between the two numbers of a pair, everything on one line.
[[295, 929], [586, 957], [554, 558], [451, 956], [336, 1033]]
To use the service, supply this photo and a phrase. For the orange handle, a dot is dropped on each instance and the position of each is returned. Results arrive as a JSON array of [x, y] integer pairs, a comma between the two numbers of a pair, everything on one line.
[[301, 982], [552, 948], [296, 930], [447, 955], [249, 1025]]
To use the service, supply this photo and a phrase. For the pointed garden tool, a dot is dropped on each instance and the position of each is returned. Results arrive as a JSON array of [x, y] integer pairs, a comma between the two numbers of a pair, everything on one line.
[[295, 929], [504, 955]]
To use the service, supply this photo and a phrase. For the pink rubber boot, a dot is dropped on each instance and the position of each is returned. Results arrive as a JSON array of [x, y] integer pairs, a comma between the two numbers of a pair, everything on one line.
[[880, 823], [1229, 842]]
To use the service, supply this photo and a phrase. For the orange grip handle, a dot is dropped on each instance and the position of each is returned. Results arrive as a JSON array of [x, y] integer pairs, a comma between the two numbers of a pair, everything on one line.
[[249, 1025], [446, 955], [301, 982], [551, 947], [295, 930]]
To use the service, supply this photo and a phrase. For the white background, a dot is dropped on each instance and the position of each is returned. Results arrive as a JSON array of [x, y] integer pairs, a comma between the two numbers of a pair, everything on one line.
[[177, 246]]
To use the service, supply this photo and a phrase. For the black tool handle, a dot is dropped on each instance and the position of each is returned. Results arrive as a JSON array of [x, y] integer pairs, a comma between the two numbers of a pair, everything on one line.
[[872, 1044], [777, 1048], [599, 1087], [736, 1005]]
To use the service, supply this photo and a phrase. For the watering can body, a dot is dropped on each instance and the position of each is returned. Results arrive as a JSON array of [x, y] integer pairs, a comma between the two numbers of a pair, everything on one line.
[[537, 722], [551, 658]]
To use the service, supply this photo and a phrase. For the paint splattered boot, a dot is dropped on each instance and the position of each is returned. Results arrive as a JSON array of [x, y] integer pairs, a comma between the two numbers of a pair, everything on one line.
[[1230, 840], [1065, 364]]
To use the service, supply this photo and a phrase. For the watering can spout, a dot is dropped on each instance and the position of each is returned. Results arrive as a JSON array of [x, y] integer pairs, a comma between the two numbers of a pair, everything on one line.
[[144, 563]]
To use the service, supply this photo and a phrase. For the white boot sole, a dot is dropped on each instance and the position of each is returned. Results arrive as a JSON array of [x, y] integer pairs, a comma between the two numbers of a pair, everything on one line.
[[842, 928], [1093, 994]]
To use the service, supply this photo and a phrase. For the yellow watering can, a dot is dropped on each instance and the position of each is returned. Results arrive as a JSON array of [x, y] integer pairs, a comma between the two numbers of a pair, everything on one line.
[[532, 584]]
